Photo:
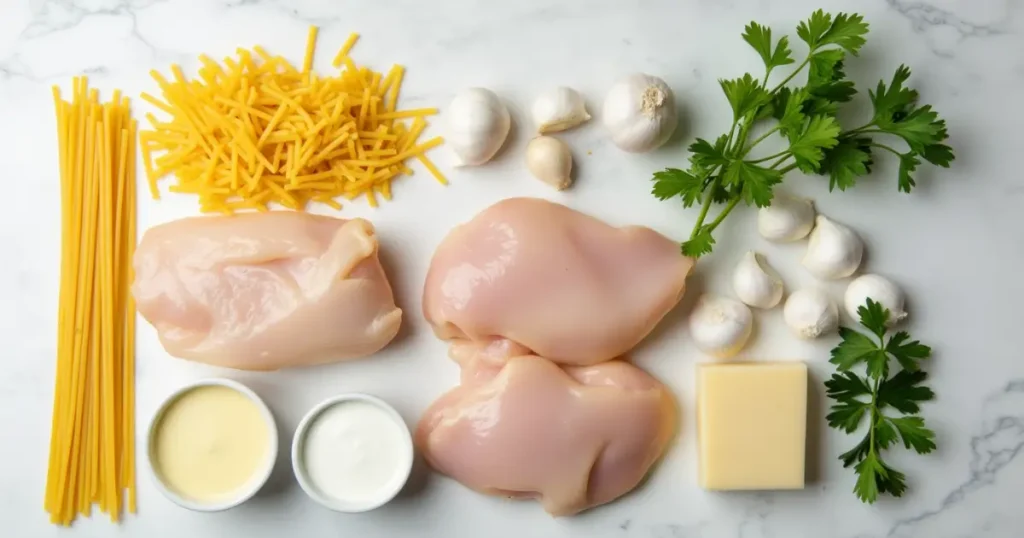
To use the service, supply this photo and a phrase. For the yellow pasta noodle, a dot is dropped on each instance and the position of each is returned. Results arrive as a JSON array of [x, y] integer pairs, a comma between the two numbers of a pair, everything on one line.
[[92, 435], [254, 130]]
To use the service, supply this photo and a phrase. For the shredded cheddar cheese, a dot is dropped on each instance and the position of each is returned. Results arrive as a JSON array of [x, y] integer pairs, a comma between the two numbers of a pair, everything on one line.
[[254, 130], [92, 438]]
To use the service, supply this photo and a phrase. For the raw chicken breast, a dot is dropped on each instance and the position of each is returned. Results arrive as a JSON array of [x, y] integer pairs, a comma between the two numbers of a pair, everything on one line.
[[263, 291], [572, 438], [553, 281]]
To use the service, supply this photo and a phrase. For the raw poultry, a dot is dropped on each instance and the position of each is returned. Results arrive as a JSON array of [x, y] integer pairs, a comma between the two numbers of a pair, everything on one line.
[[551, 281], [262, 291], [573, 437]]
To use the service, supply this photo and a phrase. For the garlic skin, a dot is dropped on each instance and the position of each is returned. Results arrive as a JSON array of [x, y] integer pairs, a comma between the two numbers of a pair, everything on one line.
[[834, 251], [477, 125], [810, 313], [550, 161], [720, 326], [640, 113], [880, 290], [558, 109], [787, 219], [756, 283]]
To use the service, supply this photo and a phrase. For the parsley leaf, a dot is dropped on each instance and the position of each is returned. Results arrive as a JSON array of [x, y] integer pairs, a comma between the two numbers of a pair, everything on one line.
[[903, 392], [856, 397], [847, 31], [914, 434], [673, 182], [846, 161], [846, 386], [847, 415], [760, 38], [745, 95], [854, 349], [720, 171], [700, 244], [706, 155], [874, 317], [907, 353], [820, 133], [908, 163], [756, 181]]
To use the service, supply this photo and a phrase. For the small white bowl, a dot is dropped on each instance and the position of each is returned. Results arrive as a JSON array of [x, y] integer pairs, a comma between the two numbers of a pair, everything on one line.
[[259, 478], [299, 464]]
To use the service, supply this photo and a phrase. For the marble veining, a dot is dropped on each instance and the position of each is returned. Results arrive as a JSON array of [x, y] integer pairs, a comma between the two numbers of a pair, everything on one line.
[[954, 245]]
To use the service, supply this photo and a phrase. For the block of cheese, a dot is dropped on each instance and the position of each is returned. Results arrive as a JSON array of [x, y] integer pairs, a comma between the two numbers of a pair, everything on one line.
[[752, 425]]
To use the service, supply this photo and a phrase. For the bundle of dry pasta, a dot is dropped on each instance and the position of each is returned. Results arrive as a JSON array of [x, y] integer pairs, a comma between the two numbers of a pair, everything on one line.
[[254, 130], [92, 441]]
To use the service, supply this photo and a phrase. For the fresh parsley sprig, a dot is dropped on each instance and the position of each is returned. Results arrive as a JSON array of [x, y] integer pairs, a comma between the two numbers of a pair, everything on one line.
[[723, 172], [889, 404]]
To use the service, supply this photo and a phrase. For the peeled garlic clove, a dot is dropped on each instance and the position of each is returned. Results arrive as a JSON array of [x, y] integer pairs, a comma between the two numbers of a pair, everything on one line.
[[756, 283], [559, 109], [880, 290], [834, 251], [640, 113], [810, 313], [550, 161], [477, 125], [720, 326], [786, 219]]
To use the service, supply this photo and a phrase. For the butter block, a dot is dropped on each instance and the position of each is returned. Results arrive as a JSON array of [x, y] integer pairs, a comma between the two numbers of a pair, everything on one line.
[[752, 425]]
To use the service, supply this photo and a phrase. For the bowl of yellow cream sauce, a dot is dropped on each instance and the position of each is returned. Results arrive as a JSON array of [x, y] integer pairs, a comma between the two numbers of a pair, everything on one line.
[[212, 445]]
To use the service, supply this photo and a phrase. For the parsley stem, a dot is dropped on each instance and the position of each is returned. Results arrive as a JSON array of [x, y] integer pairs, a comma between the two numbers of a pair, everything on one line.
[[732, 130], [787, 169], [759, 139], [858, 130], [770, 157], [742, 140], [887, 148], [781, 160], [798, 69], [704, 208], [725, 212]]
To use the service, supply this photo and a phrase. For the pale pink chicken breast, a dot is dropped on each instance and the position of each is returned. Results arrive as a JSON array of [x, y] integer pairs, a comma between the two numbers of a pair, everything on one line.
[[262, 291], [553, 281], [572, 438]]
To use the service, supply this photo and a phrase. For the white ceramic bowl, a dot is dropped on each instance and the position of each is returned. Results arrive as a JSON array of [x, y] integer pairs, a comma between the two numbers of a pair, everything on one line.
[[299, 464], [258, 479]]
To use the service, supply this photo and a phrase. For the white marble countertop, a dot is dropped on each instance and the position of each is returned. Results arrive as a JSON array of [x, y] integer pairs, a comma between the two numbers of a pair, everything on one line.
[[954, 244]]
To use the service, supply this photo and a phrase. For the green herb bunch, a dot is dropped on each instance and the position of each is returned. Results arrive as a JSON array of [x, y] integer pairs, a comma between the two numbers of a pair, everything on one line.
[[723, 172], [888, 403]]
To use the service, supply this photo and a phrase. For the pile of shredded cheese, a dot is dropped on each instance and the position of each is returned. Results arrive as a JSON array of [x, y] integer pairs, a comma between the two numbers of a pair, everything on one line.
[[255, 130]]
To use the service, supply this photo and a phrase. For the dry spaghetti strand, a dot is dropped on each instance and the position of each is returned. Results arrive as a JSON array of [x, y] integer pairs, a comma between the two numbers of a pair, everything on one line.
[[92, 454]]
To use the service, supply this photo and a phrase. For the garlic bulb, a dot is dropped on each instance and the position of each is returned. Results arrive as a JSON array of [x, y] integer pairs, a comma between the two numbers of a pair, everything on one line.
[[550, 161], [834, 251], [787, 219], [558, 109], [640, 113], [477, 124], [756, 283], [720, 326], [880, 290], [810, 313]]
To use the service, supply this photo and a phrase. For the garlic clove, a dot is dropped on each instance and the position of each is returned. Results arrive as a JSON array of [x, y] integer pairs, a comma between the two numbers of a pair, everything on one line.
[[720, 326], [787, 218], [810, 313], [558, 109], [477, 124], [640, 113], [833, 251], [880, 290], [756, 283], [550, 161]]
